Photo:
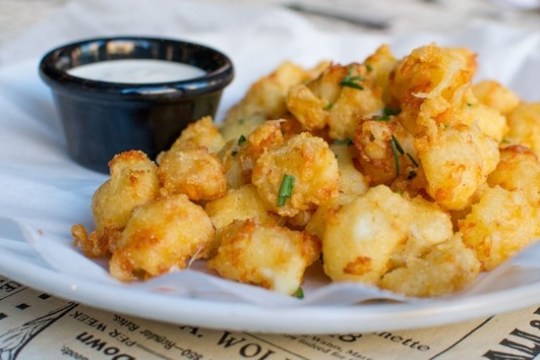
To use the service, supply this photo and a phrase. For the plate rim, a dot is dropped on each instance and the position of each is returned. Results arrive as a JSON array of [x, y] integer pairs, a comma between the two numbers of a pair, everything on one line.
[[240, 316]]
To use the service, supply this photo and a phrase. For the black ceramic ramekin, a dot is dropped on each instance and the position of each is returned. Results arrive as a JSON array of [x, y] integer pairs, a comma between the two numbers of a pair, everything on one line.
[[101, 119]]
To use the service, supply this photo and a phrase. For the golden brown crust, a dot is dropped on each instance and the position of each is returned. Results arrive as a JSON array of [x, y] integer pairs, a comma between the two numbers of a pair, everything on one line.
[[402, 174], [162, 235], [266, 255]]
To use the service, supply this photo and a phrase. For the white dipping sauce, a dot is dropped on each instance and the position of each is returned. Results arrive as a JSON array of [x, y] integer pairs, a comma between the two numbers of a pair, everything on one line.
[[136, 71]]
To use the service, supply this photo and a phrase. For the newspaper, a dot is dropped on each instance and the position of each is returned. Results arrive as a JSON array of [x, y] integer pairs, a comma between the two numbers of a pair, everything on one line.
[[36, 325]]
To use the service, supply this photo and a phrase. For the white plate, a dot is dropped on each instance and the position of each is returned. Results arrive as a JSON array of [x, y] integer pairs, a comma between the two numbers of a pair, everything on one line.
[[19, 262], [45, 193]]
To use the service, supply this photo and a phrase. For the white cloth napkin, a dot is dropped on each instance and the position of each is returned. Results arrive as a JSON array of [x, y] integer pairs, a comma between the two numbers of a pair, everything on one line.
[[43, 193]]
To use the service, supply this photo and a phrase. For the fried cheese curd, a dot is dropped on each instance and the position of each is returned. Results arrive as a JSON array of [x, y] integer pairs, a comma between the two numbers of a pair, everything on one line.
[[191, 166], [524, 126], [402, 174], [271, 256], [265, 99], [507, 209], [239, 155], [333, 99], [161, 235], [133, 182], [384, 239], [309, 162]]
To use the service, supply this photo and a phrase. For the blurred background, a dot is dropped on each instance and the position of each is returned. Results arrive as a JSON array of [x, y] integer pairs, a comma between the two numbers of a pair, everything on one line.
[[384, 16]]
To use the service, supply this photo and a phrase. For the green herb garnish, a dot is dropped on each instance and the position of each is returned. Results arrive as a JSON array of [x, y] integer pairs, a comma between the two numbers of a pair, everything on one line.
[[382, 118], [390, 111], [413, 160], [328, 106], [241, 139], [397, 145], [396, 151], [346, 141], [369, 68], [285, 189], [299, 293], [352, 81], [387, 113]]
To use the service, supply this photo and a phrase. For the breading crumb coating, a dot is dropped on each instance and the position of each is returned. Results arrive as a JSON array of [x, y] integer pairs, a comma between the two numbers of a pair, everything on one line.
[[312, 165], [161, 235], [265, 99], [194, 172], [402, 174], [266, 255], [446, 268], [500, 224], [202, 133], [133, 181], [524, 126], [360, 237]]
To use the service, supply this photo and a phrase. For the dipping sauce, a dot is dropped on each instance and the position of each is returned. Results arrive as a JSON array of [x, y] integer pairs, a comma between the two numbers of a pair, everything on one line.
[[136, 71]]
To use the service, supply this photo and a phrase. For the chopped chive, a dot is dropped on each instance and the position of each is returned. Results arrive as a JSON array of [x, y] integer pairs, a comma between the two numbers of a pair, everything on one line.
[[369, 68], [299, 293], [346, 141], [387, 112], [285, 189], [241, 139], [396, 157], [398, 145], [352, 81], [395, 152], [328, 106], [413, 160], [390, 111]]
